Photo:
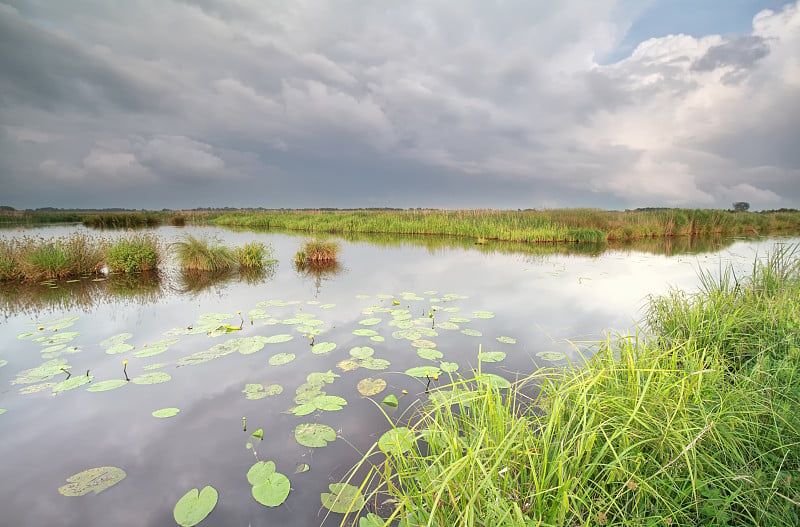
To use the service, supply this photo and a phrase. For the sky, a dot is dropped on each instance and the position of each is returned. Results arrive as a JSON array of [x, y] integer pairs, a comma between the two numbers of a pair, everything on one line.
[[501, 104]]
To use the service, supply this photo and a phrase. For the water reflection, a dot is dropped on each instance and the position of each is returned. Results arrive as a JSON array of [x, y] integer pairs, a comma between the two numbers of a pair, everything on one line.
[[318, 271]]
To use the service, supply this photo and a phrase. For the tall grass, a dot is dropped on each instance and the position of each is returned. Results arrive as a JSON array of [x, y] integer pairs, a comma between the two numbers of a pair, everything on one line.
[[196, 254], [254, 255], [316, 251], [141, 252], [697, 424], [29, 258], [122, 220]]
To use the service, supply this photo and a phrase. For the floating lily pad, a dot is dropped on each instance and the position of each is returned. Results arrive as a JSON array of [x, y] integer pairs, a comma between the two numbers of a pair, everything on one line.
[[429, 353], [92, 480], [370, 321], [495, 381], [249, 345], [448, 367], [472, 332], [314, 435], [451, 309], [483, 314], [154, 348], [194, 506], [156, 377], [206, 323], [259, 391], [36, 388], [448, 325], [342, 498], [424, 371], [72, 383], [347, 365], [57, 338], [507, 340], [281, 358], [3, 362], [370, 520], [320, 378], [401, 324], [116, 339], [397, 441], [322, 348], [377, 338], [422, 343], [390, 400], [43, 372], [327, 306], [302, 467], [374, 364], [551, 356], [219, 350], [270, 488], [370, 386], [104, 386], [491, 356], [2, 411], [278, 339], [156, 366], [365, 332], [407, 334], [329, 403], [258, 314], [26, 335], [459, 320], [53, 349], [166, 412], [119, 348]]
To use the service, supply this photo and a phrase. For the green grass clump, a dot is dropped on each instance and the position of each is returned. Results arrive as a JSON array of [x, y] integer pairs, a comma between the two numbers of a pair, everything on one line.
[[316, 252], [696, 424], [204, 255], [54, 258], [122, 220], [135, 254], [254, 255]]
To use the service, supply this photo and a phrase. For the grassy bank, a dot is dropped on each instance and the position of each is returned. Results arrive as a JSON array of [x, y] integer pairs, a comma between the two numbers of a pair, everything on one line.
[[697, 424], [547, 226]]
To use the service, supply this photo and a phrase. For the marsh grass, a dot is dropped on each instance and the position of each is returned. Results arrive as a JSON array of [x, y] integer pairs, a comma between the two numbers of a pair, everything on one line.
[[316, 251], [141, 252], [195, 254], [123, 220], [254, 255], [30, 258], [696, 424]]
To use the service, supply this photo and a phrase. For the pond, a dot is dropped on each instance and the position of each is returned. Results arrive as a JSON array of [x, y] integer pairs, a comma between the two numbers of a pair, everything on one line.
[[306, 343]]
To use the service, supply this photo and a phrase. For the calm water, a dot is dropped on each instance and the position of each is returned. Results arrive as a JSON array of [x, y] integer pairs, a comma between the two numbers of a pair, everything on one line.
[[546, 302]]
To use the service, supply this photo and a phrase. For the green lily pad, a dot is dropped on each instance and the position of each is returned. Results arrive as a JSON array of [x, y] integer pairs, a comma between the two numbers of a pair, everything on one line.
[[429, 353], [448, 325], [397, 441], [216, 351], [483, 314], [281, 358], [278, 339], [407, 334], [507, 340], [58, 323], [495, 381], [57, 338], [459, 320], [156, 377], [342, 498], [259, 391], [72, 383], [115, 340], [53, 349], [2, 411], [258, 314], [166, 412], [322, 348], [320, 378], [327, 306], [329, 403], [26, 335], [551, 356], [35, 388], [361, 352], [370, 321], [206, 323], [347, 365], [155, 348], [374, 364], [194, 506], [314, 435], [424, 371], [370, 386], [472, 332], [422, 343], [377, 338], [156, 366], [104, 386], [119, 348], [448, 367], [3, 362], [270, 488], [390, 400], [43, 372], [365, 332], [258, 434], [302, 467], [249, 345], [92, 480], [491, 356], [401, 324], [370, 520], [451, 309]]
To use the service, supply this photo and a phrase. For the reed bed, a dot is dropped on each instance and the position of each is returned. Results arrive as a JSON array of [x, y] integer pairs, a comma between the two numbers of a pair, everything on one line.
[[695, 423], [29, 258], [123, 220], [316, 251], [530, 226]]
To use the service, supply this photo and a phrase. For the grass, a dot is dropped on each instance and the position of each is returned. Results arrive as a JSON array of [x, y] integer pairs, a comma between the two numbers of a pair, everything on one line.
[[254, 255], [695, 423], [195, 254], [32, 259], [136, 254], [317, 252], [122, 220]]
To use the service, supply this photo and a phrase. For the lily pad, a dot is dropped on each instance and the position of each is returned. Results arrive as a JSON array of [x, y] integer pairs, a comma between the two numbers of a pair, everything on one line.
[[278, 339], [26, 335], [72, 383], [206, 323], [448, 367], [377, 338], [116, 349], [322, 348], [448, 325], [491, 356], [451, 309], [270, 488], [3, 362], [115, 340], [459, 320], [424, 371], [281, 358], [422, 343], [370, 386], [342, 498], [365, 332], [347, 365], [390, 400], [302, 467], [156, 366], [483, 314], [327, 306], [155, 348], [361, 352], [194, 506], [407, 334], [507, 340], [495, 381], [57, 338], [43, 372], [35, 388], [219, 350], [156, 377], [92, 480], [259, 391], [370, 520], [472, 332], [166, 412], [258, 314], [551, 356], [314, 435], [429, 353], [104, 386], [2, 411], [397, 441]]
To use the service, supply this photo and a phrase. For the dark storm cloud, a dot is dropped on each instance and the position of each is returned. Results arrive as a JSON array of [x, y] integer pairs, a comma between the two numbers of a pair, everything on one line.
[[741, 52]]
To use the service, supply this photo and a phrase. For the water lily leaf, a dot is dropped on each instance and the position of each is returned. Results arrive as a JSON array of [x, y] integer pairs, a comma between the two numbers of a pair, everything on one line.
[[26, 334], [163, 413], [204, 324], [116, 339], [57, 338], [370, 386], [342, 498], [258, 314], [58, 323], [400, 314], [397, 441], [302, 467], [278, 339], [448, 367], [370, 321], [293, 321], [248, 345], [154, 348], [270, 488], [495, 381], [258, 391], [429, 353], [119, 348], [156, 366], [491, 356], [377, 338], [304, 409], [53, 349], [365, 332], [314, 435], [422, 343], [43, 372], [362, 352], [219, 350], [472, 332], [424, 371], [2, 411], [320, 378], [459, 320], [370, 520], [451, 309], [281, 358], [483, 314], [277, 303], [507, 340], [258, 434], [551, 356], [362, 297], [194, 506], [347, 365], [390, 400], [401, 324], [92, 480], [372, 363], [156, 377], [104, 386], [329, 403], [411, 297], [448, 325], [322, 348], [427, 332], [72, 383], [327, 306], [407, 334], [35, 388], [3, 362]]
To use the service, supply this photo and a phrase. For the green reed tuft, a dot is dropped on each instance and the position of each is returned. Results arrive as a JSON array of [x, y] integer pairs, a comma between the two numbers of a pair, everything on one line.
[[141, 252], [196, 254]]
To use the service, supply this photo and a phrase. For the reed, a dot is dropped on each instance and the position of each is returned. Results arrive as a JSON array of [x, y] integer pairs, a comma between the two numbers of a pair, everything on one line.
[[30, 258], [317, 251], [138, 253], [122, 220], [693, 424], [196, 254], [254, 255]]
